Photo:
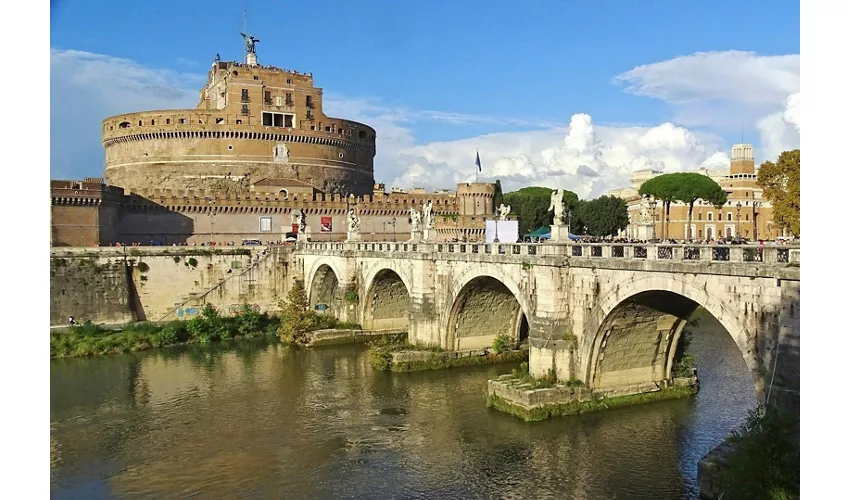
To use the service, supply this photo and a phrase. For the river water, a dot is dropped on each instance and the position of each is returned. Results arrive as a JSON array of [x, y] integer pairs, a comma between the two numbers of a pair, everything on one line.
[[254, 420]]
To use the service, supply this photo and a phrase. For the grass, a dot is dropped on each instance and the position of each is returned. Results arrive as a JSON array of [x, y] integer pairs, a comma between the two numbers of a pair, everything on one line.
[[210, 326]]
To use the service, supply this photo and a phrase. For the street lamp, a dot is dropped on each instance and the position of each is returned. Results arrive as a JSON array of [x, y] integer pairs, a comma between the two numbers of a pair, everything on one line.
[[652, 204], [738, 224], [496, 221], [755, 221]]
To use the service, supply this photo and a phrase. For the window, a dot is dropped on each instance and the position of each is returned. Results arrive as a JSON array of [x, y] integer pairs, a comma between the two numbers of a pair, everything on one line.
[[361, 134], [729, 216], [238, 121], [267, 96], [288, 99], [168, 121], [746, 217], [710, 216], [244, 95], [140, 123], [153, 122], [256, 77], [309, 101], [219, 120], [699, 216], [327, 129], [124, 125], [245, 109], [265, 224], [288, 80], [278, 119], [181, 121]]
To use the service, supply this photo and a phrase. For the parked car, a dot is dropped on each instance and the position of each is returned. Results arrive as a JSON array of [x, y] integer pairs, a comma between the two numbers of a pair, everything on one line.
[[252, 242]]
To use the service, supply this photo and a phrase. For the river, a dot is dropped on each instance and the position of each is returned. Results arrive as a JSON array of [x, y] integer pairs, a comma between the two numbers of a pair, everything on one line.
[[253, 420]]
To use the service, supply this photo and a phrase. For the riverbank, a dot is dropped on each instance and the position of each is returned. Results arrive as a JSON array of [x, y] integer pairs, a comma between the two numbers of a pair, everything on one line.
[[210, 326]]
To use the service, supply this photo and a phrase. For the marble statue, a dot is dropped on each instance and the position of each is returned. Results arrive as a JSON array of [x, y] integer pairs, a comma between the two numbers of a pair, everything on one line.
[[353, 222], [557, 204], [415, 219], [427, 215], [503, 211]]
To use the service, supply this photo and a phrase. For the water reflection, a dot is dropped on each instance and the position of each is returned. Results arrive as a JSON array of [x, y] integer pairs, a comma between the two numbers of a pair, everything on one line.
[[267, 421]]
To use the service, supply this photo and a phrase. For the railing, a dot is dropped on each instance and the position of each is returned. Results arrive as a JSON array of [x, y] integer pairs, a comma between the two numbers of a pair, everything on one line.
[[618, 251]]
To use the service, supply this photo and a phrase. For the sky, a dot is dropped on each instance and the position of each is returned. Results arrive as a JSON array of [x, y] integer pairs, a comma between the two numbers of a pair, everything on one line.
[[574, 94]]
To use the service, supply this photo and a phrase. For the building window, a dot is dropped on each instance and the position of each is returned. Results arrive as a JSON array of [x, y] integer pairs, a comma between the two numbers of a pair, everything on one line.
[[746, 217], [181, 121], [219, 120], [256, 77], [267, 96], [244, 95], [168, 121], [699, 216], [729, 217], [265, 224], [245, 109], [710, 216], [309, 101], [288, 99], [288, 80], [278, 119]]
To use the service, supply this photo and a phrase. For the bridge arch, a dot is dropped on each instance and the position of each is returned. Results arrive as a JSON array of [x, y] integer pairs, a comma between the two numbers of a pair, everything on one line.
[[386, 301], [484, 305], [633, 332], [324, 287]]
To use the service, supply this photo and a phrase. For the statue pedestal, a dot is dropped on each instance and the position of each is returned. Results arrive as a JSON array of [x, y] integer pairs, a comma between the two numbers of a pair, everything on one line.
[[645, 232], [353, 236], [429, 236], [304, 236], [560, 234], [415, 236]]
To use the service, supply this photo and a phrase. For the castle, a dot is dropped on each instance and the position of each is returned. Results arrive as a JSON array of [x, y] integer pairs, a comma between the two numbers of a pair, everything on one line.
[[256, 152]]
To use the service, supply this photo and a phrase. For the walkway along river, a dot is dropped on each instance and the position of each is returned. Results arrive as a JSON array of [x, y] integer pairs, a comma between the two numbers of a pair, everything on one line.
[[250, 420]]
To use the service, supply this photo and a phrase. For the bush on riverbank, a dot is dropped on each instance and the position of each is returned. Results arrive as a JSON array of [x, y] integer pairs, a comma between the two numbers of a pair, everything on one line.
[[296, 319], [210, 326], [380, 353], [766, 462]]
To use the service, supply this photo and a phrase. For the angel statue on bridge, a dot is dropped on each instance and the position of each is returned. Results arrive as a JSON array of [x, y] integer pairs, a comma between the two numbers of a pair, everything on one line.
[[503, 211], [557, 204], [353, 222], [427, 215], [415, 219]]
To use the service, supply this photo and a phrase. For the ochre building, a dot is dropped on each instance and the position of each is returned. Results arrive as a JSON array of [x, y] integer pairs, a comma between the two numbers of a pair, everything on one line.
[[252, 122], [747, 213], [257, 152]]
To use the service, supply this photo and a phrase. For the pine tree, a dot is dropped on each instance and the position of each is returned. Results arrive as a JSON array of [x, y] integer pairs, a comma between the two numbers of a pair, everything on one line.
[[296, 318]]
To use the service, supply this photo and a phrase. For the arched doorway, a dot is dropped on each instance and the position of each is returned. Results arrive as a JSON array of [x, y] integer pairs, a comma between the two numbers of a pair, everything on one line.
[[325, 295]]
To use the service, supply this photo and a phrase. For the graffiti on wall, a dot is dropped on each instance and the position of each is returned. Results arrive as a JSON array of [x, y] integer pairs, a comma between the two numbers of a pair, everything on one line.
[[237, 308]]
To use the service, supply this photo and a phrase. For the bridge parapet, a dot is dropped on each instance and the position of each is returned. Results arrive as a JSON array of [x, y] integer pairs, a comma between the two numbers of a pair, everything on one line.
[[714, 254]]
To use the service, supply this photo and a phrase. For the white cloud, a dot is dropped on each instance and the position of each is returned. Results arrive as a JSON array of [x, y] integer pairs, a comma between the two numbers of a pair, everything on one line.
[[85, 88], [728, 90], [583, 157]]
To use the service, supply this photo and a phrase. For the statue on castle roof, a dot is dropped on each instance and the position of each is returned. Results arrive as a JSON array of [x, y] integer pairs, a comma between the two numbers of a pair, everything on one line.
[[503, 211], [250, 43]]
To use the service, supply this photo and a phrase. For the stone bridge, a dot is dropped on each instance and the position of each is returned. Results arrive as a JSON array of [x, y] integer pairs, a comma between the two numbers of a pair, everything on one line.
[[609, 315]]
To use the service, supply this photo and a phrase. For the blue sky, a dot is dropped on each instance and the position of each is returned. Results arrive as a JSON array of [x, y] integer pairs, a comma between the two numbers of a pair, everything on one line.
[[496, 67]]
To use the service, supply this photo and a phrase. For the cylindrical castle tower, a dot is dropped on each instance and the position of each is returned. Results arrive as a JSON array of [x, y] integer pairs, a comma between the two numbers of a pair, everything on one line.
[[476, 198], [743, 161], [252, 123]]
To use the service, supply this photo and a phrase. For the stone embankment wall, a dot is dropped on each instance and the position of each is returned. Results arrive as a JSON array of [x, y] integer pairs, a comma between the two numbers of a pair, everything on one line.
[[116, 285]]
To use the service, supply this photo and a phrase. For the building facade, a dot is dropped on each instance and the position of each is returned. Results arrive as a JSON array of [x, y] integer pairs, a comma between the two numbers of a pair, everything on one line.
[[256, 153], [747, 213]]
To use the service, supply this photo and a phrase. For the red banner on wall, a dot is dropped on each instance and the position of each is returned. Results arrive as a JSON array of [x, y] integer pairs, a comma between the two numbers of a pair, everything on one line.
[[295, 228], [327, 224]]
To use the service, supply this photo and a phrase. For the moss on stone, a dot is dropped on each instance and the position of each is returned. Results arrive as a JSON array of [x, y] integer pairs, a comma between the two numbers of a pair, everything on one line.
[[544, 412], [439, 362]]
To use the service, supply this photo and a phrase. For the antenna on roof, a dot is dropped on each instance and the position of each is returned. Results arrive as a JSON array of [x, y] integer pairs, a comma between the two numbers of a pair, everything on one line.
[[245, 14]]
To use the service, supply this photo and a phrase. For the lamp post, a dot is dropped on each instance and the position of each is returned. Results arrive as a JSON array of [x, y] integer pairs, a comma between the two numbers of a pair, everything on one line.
[[755, 221], [738, 223], [652, 204], [496, 221]]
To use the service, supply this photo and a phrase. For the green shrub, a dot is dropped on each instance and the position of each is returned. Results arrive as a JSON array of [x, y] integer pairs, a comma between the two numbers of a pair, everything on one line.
[[574, 382], [684, 367], [192, 262], [143, 267], [502, 343], [172, 333], [351, 296], [176, 259], [766, 463]]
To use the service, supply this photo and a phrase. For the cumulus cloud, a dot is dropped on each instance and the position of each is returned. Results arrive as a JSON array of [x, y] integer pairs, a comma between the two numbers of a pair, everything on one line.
[[584, 157], [728, 90]]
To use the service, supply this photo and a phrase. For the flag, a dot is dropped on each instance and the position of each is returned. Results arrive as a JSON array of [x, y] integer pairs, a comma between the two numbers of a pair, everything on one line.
[[477, 160]]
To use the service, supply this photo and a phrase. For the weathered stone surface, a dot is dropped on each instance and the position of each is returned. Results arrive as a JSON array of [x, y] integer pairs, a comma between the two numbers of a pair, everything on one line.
[[348, 336]]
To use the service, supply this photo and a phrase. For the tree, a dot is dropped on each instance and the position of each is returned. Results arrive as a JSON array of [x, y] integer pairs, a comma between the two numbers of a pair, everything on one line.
[[296, 318], [604, 216], [498, 197], [781, 184], [690, 187], [661, 188]]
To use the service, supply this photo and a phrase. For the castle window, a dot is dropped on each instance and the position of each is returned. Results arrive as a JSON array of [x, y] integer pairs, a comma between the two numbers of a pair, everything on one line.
[[238, 121], [288, 99], [309, 101], [265, 224], [140, 123], [245, 109], [153, 122], [288, 80], [124, 125], [267, 96], [230, 147], [219, 120], [277, 119], [244, 95], [168, 121], [181, 121], [361, 134], [327, 129], [312, 127], [256, 77]]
